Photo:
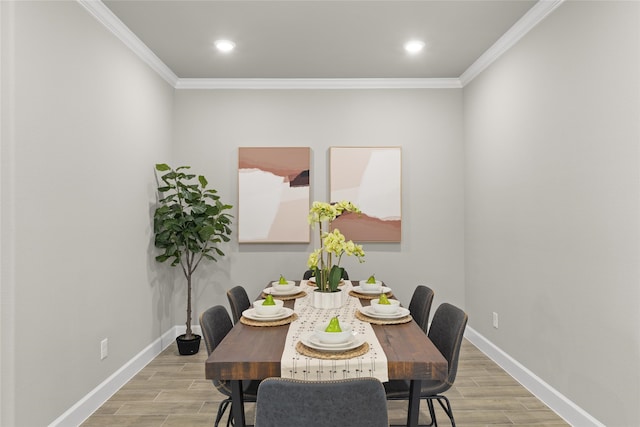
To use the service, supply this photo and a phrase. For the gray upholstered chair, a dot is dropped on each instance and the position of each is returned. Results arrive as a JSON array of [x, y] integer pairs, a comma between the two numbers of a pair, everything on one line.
[[238, 301], [446, 332], [420, 306], [358, 402], [309, 273], [216, 324]]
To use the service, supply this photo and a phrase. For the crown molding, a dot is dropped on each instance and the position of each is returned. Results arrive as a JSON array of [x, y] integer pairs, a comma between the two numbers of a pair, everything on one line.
[[104, 15], [246, 83], [533, 17]]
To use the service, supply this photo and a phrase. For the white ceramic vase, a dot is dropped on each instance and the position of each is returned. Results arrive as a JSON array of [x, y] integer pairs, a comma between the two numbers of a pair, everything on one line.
[[328, 299]]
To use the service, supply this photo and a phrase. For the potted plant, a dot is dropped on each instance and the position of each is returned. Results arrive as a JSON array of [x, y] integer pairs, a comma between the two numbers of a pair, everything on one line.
[[188, 224], [325, 261]]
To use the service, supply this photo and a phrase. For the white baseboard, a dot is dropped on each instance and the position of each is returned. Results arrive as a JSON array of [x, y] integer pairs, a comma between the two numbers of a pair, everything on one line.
[[560, 404], [564, 407], [86, 406]]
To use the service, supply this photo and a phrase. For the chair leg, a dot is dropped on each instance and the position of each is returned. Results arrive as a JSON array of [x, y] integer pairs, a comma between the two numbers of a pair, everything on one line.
[[230, 419], [221, 409], [447, 409], [432, 414]]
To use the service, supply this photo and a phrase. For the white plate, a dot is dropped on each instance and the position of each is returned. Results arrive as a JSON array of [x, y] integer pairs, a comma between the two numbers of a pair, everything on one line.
[[369, 311], [254, 313], [359, 290], [272, 291], [283, 314], [313, 342]]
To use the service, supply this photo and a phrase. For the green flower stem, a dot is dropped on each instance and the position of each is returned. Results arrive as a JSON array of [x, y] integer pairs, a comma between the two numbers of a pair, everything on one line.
[[328, 276]]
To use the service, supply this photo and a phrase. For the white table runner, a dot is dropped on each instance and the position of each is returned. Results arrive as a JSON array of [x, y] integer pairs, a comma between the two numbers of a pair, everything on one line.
[[295, 365]]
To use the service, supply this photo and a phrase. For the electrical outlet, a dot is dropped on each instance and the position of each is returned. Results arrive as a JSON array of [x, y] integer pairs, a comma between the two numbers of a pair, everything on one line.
[[495, 320], [104, 348]]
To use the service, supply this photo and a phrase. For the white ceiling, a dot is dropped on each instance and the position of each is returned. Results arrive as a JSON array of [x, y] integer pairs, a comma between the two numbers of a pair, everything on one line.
[[326, 39]]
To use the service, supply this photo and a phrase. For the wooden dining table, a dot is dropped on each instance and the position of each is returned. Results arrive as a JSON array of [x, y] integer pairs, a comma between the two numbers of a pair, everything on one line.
[[254, 353]]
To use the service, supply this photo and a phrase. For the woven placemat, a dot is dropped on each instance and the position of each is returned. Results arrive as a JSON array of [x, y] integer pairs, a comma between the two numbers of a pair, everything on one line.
[[377, 321], [368, 296], [332, 355], [286, 297], [279, 322]]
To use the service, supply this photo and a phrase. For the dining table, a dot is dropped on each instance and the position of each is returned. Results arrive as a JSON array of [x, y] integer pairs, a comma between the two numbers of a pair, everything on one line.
[[255, 353]]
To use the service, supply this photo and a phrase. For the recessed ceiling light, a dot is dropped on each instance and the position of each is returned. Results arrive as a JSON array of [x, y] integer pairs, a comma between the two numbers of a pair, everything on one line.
[[414, 46], [225, 45]]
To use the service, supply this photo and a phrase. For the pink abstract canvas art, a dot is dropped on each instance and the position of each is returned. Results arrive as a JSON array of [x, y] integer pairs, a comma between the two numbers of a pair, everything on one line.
[[273, 194], [371, 178]]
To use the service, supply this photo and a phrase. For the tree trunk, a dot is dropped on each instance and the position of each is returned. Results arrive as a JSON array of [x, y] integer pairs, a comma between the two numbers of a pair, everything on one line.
[[188, 334]]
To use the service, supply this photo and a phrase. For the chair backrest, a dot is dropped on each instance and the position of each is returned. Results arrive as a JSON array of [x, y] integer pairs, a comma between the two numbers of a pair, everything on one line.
[[285, 402], [307, 275], [446, 332], [238, 301], [216, 324], [420, 306]]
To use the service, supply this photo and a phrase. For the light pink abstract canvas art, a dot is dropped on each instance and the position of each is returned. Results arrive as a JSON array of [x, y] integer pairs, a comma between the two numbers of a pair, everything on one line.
[[273, 194], [371, 178]]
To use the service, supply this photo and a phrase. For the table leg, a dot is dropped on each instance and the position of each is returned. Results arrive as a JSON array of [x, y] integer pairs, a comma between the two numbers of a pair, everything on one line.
[[413, 411], [237, 403]]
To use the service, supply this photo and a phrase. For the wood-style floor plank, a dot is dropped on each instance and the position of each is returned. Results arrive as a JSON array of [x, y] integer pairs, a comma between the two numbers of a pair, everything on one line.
[[171, 391]]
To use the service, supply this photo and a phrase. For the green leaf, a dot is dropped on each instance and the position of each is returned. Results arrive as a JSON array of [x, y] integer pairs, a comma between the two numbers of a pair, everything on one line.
[[335, 275], [206, 232], [162, 167], [162, 258], [198, 209], [170, 198], [203, 181], [169, 176]]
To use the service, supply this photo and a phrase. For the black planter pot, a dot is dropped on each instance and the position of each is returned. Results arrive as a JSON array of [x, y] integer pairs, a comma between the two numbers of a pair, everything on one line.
[[187, 347]]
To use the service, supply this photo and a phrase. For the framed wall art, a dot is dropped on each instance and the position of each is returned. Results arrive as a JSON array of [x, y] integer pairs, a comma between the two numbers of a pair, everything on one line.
[[371, 178], [273, 194]]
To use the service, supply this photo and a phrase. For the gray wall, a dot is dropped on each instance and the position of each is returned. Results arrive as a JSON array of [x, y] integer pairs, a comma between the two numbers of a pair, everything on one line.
[[552, 214], [84, 120], [549, 135], [209, 127]]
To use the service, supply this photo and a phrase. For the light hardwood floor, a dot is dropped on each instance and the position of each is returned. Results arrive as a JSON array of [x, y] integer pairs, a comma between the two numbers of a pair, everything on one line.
[[171, 392]]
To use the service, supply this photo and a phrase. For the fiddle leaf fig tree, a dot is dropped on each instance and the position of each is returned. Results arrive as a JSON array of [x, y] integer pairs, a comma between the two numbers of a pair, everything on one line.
[[188, 224]]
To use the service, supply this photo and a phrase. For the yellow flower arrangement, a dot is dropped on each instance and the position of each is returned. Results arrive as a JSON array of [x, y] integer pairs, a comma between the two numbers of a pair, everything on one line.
[[333, 245]]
